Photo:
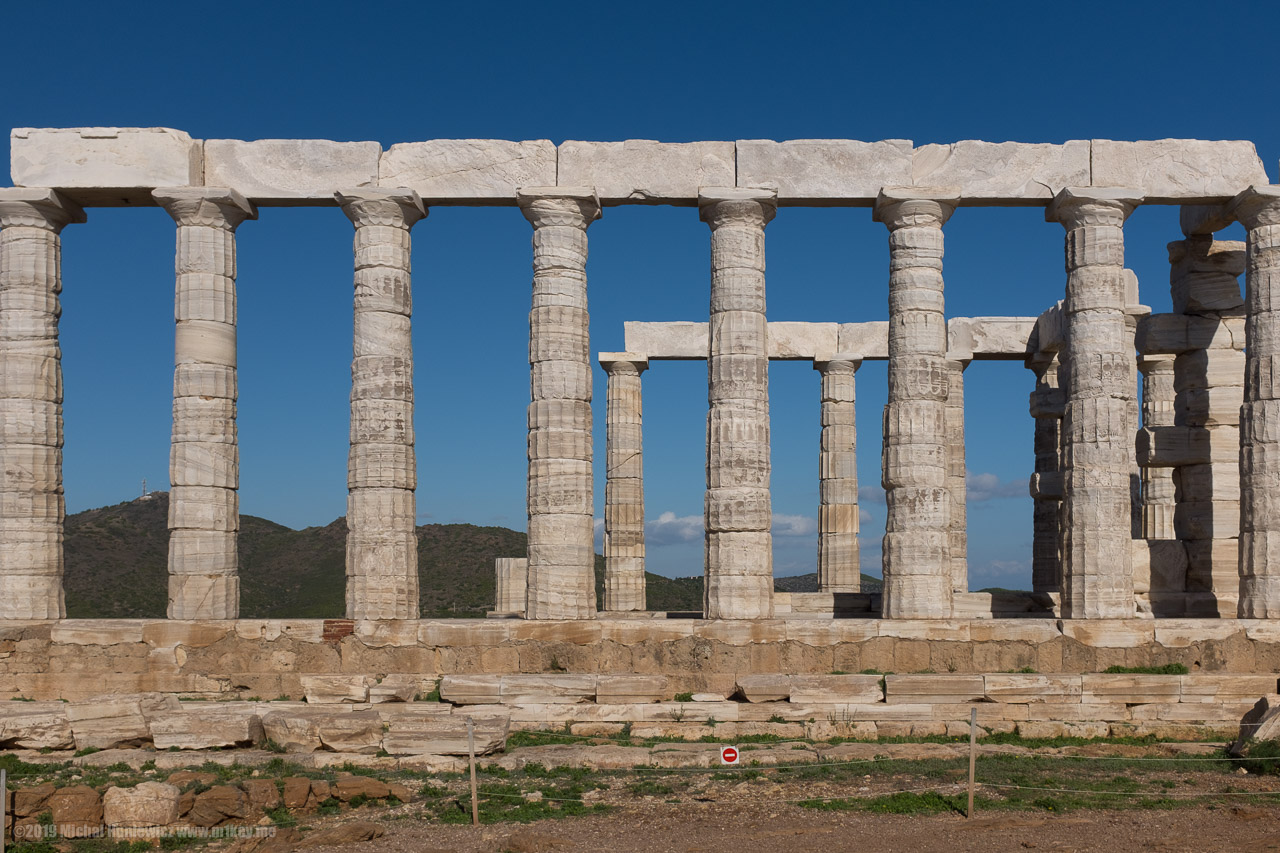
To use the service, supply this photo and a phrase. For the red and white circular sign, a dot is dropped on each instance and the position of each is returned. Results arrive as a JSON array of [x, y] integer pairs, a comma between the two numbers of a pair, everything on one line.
[[729, 755]]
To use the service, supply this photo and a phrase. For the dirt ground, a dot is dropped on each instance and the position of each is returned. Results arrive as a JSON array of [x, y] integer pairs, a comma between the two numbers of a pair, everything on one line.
[[761, 827]]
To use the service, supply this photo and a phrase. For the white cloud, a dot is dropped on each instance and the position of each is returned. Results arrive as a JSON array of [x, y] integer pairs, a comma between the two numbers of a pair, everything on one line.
[[864, 517], [670, 529], [988, 487], [872, 494], [794, 525]]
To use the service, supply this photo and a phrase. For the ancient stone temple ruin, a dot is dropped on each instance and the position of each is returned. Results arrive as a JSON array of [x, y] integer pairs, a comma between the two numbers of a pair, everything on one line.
[[1160, 504]]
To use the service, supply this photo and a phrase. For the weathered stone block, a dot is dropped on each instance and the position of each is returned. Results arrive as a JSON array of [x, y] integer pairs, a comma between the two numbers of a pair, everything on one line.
[[468, 171], [207, 728], [1178, 170], [105, 165], [34, 725], [146, 804], [290, 171], [416, 733], [335, 689], [824, 171], [764, 688], [1002, 170], [644, 171], [547, 689], [471, 689], [625, 689], [836, 689]]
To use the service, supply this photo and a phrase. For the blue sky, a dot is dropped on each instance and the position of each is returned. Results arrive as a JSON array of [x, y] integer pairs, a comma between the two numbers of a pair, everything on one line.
[[391, 72]]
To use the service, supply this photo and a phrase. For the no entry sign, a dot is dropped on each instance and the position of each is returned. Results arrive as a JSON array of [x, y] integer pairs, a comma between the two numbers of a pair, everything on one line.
[[728, 755]]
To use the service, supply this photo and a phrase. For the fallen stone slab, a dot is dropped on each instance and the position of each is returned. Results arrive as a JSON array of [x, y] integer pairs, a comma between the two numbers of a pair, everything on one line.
[[35, 725], [219, 805], [207, 728], [573, 755], [1261, 722], [547, 689], [438, 734], [471, 689], [347, 788], [109, 722], [335, 689]]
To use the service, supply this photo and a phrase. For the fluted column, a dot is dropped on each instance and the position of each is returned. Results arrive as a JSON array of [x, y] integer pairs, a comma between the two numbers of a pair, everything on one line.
[[1258, 209], [32, 508], [738, 580], [916, 553], [1157, 411], [1098, 447], [839, 565], [561, 583], [957, 487], [1046, 481], [382, 540], [204, 459], [624, 585]]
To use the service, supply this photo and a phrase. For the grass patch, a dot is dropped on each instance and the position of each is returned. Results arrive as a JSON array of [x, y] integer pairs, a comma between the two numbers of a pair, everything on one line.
[[1166, 669]]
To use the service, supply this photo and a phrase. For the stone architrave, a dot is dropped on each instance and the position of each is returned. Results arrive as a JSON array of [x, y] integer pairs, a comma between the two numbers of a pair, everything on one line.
[[1208, 385], [561, 579], [624, 583], [739, 545], [1098, 440], [204, 461], [916, 554], [1157, 411], [32, 508], [839, 564], [382, 540], [1258, 209], [1046, 481]]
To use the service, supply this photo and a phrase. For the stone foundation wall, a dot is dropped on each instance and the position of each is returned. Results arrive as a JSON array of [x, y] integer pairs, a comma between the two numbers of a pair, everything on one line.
[[268, 659]]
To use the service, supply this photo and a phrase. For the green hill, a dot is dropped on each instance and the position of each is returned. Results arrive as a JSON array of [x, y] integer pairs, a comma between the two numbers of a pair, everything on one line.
[[117, 567]]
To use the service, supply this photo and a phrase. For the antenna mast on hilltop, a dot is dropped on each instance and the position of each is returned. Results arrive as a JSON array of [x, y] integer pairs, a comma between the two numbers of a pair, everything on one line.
[[144, 487]]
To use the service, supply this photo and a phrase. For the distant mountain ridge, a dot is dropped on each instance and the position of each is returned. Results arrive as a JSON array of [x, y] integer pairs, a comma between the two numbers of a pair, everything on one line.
[[117, 567]]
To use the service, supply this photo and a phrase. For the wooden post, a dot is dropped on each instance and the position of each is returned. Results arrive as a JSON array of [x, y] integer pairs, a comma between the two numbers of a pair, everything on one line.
[[4, 805], [973, 753], [471, 754]]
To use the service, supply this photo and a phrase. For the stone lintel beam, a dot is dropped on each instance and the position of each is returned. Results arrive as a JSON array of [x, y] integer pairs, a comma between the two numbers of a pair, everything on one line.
[[976, 338], [1173, 334]]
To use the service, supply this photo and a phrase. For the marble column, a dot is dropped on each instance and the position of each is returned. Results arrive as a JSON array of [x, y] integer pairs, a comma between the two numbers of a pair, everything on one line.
[[839, 565], [32, 508], [1258, 209], [382, 539], [561, 580], [1046, 482], [957, 486], [1157, 411], [510, 586], [1098, 445], [624, 584], [1208, 386], [738, 581], [916, 553], [204, 459]]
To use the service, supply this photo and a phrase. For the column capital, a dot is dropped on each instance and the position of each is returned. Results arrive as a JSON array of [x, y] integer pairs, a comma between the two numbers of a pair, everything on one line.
[[397, 208], [623, 362], [902, 207], [37, 208], [214, 207], [575, 207], [837, 361], [737, 205], [1258, 205], [1156, 363], [1076, 207]]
